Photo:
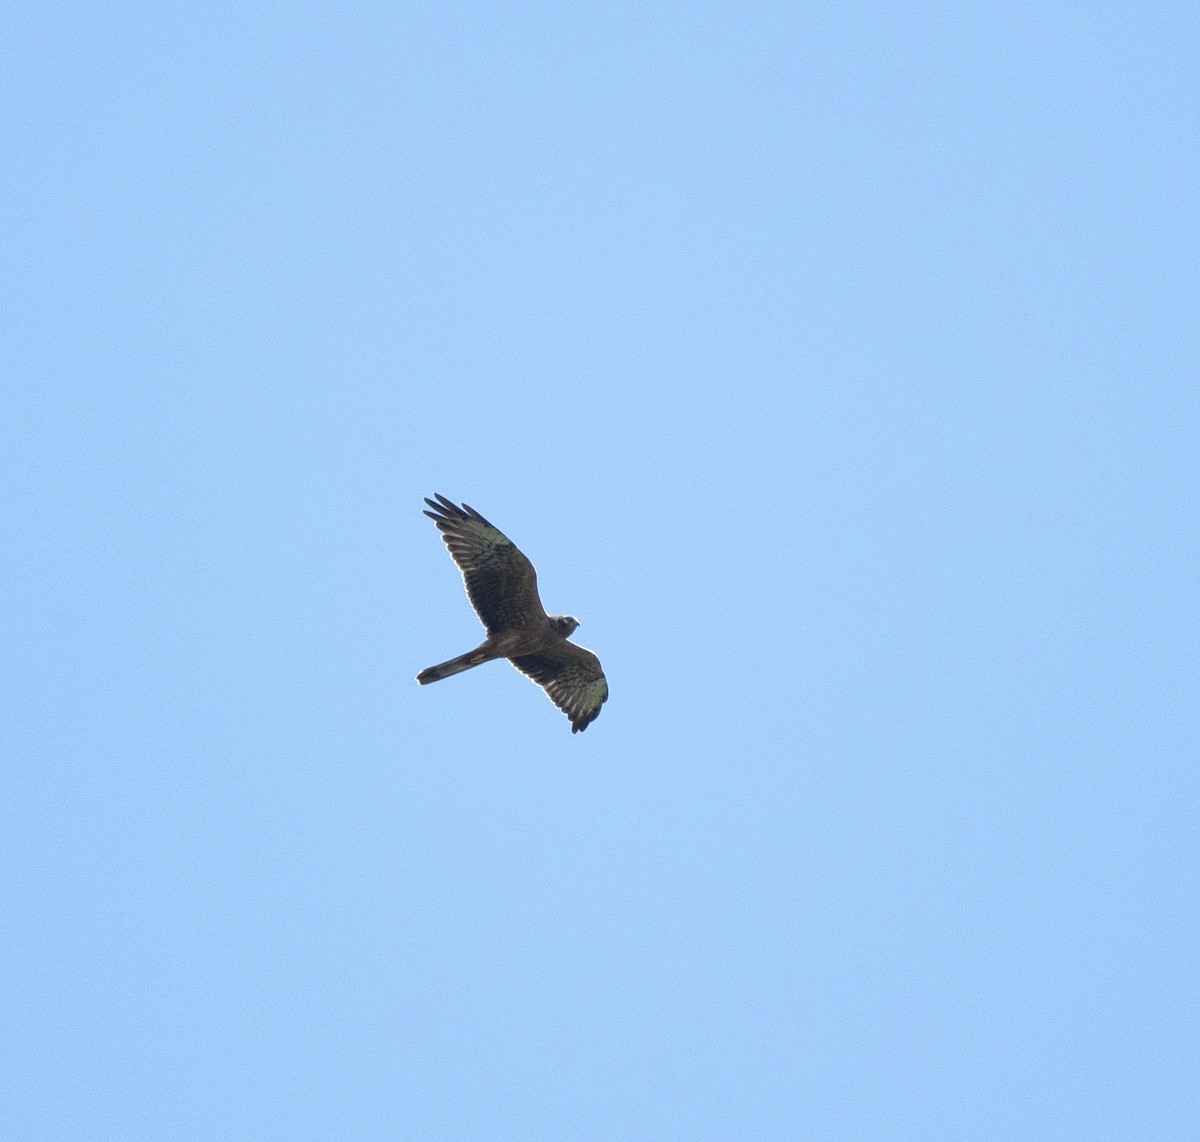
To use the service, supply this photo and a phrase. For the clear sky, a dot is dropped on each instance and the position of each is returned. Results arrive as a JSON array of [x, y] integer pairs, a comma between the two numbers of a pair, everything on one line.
[[837, 365]]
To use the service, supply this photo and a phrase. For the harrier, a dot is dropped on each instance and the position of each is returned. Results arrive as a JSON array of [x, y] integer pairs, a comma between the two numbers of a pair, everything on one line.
[[502, 586]]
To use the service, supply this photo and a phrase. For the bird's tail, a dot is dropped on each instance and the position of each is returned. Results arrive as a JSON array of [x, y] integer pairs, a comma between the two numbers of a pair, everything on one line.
[[454, 666]]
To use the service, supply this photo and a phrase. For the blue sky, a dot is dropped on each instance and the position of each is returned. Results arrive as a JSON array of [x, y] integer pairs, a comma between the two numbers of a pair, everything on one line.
[[836, 365]]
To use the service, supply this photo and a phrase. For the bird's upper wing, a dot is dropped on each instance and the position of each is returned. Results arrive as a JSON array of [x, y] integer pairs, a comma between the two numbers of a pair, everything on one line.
[[501, 582], [571, 675]]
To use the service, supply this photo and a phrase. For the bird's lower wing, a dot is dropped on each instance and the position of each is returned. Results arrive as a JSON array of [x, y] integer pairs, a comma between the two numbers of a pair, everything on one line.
[[573, 679]]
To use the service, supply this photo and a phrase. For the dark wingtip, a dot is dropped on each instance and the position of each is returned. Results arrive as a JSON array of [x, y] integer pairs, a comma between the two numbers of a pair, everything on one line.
[[444, 510], [578, 725]]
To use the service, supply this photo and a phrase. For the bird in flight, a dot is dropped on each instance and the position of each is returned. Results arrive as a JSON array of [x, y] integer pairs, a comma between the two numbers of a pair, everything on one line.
[[502, 586]]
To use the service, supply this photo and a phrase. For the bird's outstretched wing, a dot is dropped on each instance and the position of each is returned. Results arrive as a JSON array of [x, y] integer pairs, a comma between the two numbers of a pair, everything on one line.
[[501, 582], [571, 675]]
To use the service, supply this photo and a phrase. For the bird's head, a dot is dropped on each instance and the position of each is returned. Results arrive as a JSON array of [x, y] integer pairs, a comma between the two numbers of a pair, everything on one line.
[[564, 624]]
